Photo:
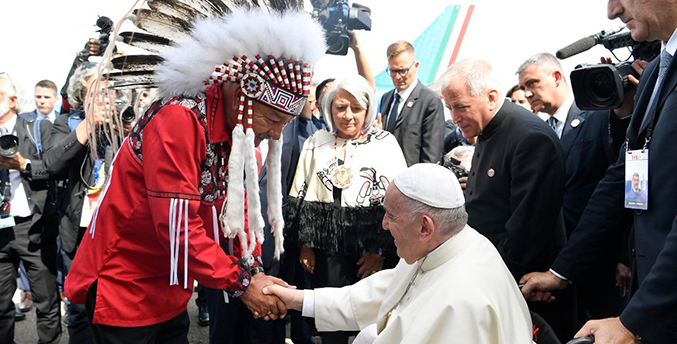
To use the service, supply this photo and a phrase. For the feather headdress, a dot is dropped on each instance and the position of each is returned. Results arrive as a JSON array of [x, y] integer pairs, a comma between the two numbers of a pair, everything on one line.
[[268, 47]]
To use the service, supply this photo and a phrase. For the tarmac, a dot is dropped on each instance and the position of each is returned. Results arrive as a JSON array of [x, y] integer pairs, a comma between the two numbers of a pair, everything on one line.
[[25, 333]]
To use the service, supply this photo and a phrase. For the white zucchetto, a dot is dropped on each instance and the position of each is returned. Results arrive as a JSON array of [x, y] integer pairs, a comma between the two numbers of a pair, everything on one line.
[[431, 184]]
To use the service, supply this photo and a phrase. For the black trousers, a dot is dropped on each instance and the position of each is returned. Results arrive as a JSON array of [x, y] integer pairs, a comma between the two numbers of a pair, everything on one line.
[[15, 246], [172, 331]]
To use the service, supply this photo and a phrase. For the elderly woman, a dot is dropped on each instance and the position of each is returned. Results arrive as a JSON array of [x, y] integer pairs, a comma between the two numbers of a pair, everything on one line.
[[336, 200]]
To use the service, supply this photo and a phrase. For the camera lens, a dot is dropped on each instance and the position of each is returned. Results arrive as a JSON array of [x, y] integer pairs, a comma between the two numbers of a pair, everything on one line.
[[602, 86], [337, 44]]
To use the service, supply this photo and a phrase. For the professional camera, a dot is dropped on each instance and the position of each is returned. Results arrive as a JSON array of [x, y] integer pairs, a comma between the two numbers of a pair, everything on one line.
[[603, 86], [336, 17], [125, 106], [454, 165], [105, 26], [9, 145]]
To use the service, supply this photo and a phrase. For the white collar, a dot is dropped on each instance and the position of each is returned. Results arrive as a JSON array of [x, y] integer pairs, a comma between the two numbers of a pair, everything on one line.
[[10, 124], [671, 44], [563, 111], [404, 95]]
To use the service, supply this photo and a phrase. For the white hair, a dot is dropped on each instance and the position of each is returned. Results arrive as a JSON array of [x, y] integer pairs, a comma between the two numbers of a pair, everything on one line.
[[359, 88], [293, 35], [8, 90], [78, 82], [545, 61], [479, 77], [449, 220]]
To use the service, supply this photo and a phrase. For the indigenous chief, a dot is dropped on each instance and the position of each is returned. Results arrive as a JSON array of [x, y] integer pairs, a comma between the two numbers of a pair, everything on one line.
[[451, 284], [157, 228]]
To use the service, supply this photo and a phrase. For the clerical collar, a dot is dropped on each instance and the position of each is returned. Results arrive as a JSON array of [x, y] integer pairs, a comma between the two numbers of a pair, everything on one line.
[[495, 122], [446, 250]]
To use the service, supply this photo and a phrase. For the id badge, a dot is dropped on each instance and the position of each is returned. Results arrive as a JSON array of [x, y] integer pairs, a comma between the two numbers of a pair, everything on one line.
[[637, 179]]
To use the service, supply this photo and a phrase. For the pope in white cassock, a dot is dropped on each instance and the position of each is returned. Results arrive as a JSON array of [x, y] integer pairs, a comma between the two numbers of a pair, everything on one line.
[[451, 285]]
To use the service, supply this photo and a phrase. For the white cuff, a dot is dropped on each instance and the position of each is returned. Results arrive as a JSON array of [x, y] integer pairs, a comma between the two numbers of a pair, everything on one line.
[[558, 275], [308, 304]]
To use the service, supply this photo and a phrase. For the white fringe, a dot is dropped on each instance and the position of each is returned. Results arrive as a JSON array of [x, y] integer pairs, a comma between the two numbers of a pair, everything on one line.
[[178, 215], [256, 222], [234, 215], [215, 225], [274, 193]]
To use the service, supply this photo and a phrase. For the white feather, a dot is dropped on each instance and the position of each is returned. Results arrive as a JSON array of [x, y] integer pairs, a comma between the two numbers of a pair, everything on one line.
[[293, 35]]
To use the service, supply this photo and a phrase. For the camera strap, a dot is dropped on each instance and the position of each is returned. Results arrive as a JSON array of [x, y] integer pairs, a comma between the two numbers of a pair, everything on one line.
[[37, 134]]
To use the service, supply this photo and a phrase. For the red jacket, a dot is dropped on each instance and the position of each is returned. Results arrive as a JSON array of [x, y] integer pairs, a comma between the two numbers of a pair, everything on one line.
[[176, 155]]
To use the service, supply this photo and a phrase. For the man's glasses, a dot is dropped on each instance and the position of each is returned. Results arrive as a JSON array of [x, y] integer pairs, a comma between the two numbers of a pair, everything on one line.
[[402, 72]]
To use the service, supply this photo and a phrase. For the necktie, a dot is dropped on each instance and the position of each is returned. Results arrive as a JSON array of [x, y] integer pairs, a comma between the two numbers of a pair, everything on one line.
[[392, 117], [553, 123], [663, 67]]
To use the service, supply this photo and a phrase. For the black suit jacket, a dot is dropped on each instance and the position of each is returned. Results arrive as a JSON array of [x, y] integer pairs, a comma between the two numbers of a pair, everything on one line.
[[651, 312], [588, 154], [515, 189], [70, 159], [420, 126], [36, 183]]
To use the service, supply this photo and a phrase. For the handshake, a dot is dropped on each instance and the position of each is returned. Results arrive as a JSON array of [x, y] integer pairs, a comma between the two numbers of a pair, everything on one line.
[[269, 297]]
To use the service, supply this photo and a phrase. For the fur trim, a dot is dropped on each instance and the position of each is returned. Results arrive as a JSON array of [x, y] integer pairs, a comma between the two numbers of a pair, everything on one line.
[[274, 193], [256, 222], [234, 216], [293, 35]]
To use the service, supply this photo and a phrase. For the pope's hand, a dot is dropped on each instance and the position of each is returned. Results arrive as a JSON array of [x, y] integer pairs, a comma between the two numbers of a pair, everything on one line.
[[291, 297]]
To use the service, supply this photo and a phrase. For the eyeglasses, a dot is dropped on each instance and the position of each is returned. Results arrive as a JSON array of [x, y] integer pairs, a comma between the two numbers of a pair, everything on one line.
[[402, 72]]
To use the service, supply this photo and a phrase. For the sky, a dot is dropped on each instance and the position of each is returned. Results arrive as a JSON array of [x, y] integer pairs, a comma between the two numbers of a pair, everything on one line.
[[41, 37]]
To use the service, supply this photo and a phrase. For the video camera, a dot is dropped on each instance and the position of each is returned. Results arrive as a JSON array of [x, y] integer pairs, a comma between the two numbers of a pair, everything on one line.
[[603, 86], [105, 25], [336, 17]]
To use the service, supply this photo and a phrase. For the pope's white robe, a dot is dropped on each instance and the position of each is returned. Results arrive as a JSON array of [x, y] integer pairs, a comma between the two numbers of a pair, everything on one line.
[[464, 294]]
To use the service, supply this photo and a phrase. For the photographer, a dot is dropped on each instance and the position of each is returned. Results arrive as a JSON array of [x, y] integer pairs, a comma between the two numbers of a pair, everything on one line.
[[25, 226], [72, 158], [93, 47]]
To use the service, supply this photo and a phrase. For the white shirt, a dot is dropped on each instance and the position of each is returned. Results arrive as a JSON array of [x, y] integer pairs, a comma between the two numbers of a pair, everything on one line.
[[19, 201], [403, 98], [560, 115], [670, 46], [50, 116]]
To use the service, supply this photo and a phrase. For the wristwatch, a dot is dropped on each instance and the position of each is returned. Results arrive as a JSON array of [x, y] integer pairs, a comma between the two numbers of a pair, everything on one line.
[[27, 167]]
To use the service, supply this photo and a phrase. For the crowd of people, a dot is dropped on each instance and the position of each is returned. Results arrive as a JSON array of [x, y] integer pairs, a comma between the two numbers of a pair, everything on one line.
[[515, 217]]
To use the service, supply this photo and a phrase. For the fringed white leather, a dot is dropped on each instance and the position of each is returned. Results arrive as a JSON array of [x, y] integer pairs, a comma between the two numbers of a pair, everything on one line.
[[274, 193], [253, 200], [234, 217], [178, 217], [215, 225]]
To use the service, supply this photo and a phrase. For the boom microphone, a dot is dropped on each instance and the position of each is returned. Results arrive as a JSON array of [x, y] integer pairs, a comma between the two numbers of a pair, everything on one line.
[[577, 47], [586, 43]]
